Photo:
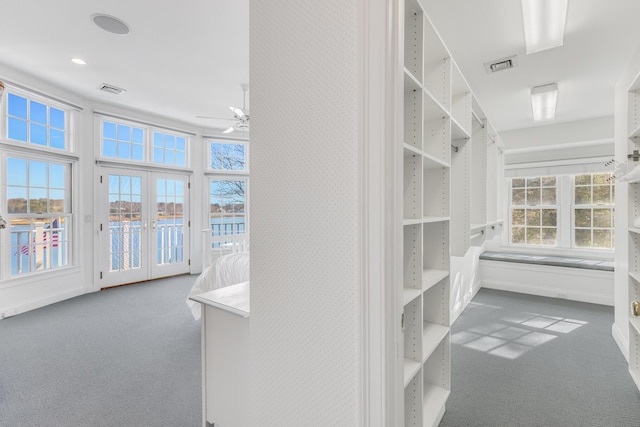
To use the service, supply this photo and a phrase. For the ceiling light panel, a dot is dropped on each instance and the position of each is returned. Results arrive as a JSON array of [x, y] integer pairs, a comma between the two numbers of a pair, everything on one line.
[[544, 23], [543, 101]]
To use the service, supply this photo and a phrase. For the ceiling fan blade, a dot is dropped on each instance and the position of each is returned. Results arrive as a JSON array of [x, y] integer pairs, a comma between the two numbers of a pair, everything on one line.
[[214, 118], [237, 111], [229, 130]]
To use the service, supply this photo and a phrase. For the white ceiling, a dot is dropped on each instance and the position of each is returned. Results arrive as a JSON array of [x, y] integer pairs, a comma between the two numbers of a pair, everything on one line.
[[181, 58], [188, 58], [600, 38]]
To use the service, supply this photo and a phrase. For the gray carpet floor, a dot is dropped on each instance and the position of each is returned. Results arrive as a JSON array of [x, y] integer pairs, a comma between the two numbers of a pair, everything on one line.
[[130, 356], [526, 361], [127, 356]]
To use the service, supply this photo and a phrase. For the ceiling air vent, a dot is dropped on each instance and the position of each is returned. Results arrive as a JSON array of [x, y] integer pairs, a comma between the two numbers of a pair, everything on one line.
[[111, 89], [501, 64]]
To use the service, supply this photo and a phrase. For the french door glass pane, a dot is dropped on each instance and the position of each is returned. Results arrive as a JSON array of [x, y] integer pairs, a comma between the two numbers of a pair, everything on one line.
[[125, 222], [169, 221]]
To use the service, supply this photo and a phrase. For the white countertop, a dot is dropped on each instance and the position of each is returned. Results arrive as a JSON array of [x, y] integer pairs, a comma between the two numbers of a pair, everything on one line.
[[234, 299]]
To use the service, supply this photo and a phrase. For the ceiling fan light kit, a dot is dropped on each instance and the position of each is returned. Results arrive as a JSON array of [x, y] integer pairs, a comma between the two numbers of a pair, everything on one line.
[[240, 115]]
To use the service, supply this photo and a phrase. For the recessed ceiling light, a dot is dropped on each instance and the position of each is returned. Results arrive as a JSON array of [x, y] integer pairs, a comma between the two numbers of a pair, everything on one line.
[[110, 23], [78, 61]]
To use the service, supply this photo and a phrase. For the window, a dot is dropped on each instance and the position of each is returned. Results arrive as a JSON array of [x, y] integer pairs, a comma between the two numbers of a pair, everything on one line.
[[39, 213], [35, 122], [227, 156], [534, 213], [563, 211], [169, 149], [227, 215], [593, 212], [122, 141], [227, 192]]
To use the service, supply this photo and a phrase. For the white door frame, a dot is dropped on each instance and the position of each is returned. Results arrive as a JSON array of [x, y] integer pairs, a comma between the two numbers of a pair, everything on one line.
[[147, 235]]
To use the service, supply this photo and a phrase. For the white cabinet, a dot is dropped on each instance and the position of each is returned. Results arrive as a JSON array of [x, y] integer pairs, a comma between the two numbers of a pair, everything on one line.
[[426, 148], [225, 355]]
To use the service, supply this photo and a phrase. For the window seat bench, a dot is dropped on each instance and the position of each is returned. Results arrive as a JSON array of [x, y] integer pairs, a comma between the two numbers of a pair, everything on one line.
[[574, 278], [557, 261]]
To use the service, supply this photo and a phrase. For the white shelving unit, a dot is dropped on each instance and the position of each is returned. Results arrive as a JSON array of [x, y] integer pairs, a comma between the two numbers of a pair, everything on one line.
[[633, 126], [460, 163], [479, 141], [429, 115], [477, 177]]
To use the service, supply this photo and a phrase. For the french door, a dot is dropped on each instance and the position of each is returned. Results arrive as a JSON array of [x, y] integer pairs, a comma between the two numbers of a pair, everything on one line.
[[143, 225]]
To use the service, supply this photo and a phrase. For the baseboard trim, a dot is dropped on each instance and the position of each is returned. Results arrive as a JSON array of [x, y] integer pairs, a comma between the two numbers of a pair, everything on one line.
[[42, 302], [621, 340], [552, 293]]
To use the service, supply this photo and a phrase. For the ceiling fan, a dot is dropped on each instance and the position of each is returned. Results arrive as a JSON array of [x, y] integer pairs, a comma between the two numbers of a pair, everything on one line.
[[240, 115]]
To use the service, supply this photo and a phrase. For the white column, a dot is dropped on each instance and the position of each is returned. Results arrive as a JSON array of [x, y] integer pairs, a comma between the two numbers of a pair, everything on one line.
[[322, 106]]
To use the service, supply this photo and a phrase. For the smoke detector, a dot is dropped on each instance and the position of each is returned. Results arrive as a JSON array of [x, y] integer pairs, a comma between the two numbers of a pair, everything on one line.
[[501, 64], [111, 89]]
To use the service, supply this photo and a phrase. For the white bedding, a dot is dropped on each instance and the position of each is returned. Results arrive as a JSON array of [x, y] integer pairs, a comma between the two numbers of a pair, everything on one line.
[[228, 270]]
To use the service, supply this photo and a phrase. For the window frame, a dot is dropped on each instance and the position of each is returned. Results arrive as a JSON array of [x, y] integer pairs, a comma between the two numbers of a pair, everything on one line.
[[565, 198], [215, 140], [148, 130], [70, 120], [527, 207], [8, 279], [227, 175], [592, 206]]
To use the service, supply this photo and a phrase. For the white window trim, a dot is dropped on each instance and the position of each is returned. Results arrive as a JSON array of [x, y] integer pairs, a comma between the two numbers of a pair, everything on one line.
[[41, 155], [565, 196], [70, 118], [207, 157], [556, 206], [147, 138]]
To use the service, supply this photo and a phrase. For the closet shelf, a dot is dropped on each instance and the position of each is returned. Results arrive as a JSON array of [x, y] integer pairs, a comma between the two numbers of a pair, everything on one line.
[[477, 227], [635, 133], [431, 162], [431, 278], [410, 75], [635, 276], [433, 109], [409, 294], [432, 336], [433, 403], [635, 322], [411, 368], [457, 131], [410, 150], [634, 230], [634, 181], [430, 219], [411, 221]]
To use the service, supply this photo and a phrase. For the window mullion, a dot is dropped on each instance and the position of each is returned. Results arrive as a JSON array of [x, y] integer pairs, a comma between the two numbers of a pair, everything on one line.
[[565, 211]]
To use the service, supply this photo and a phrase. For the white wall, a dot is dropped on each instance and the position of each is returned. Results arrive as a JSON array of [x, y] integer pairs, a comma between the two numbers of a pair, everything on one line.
[[569, 140], [305, 258]]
